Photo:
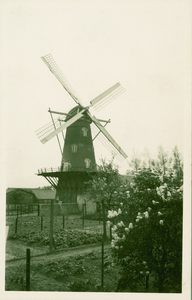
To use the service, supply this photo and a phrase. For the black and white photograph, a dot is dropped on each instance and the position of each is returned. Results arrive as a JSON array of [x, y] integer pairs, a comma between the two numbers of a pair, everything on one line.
[[95, 156]]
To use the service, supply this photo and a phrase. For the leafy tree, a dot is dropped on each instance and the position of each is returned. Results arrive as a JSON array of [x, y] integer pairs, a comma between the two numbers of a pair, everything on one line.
[[104, 183], [177, 163], [135, 162], [102, 186], [163, 162], [18, 196], [147, 229], [47, 187]]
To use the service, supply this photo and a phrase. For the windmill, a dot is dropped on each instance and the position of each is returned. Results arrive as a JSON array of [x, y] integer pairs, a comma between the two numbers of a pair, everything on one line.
[[78, 156]]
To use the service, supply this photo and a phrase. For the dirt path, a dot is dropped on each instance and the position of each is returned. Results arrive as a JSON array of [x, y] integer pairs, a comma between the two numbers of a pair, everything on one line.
[[57, 255]]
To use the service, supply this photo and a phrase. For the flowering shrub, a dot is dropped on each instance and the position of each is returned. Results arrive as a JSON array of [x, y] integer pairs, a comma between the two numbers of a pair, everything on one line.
[[147, 231]]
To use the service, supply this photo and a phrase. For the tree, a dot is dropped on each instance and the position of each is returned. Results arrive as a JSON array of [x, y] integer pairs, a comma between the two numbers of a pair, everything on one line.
[[163, 161], [177, 163], [147, 230], [19, 196], [47, 187], [102, 186], [104, 183], [135, 162]]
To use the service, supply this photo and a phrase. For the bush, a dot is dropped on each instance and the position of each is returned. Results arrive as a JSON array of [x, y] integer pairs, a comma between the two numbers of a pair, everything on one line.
[[147, 231]]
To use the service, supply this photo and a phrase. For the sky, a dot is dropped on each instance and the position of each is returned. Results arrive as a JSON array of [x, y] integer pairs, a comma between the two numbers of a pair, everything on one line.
[[144, 45]]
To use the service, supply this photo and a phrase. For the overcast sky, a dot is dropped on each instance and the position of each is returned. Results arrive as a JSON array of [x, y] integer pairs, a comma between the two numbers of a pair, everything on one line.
[[144, 45]]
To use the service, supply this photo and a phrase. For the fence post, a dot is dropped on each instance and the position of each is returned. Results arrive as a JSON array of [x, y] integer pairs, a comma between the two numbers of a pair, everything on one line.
[[104, 221], [51, 225], [17, 211], [16, 220], [21, 209], [83, 216], [63, 221], [27, 269], [102, 263], [38, 210], [41, 223]]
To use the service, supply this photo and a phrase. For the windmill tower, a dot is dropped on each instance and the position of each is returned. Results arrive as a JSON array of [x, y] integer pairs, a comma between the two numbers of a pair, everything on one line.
[[78, 156]]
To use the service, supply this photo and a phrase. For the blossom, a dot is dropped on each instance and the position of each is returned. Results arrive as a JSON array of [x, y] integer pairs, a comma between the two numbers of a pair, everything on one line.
[[149, 208], [117, 247], [113, 243], [108, 223], [130, 225], [131, 184], [147, 272], [168, 194], [146, 214], [119, 211], [159, 213], [126, 229], [144, 262], [161, 222], [123, 237], [114, 227], [121, 204], [155, 202], [161, 178], [115, 236], [120, 224], [141, 272], [114, 213]]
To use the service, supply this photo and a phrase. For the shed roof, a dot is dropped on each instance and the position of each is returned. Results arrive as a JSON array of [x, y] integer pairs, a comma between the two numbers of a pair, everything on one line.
[[40, 194], [44, 194]]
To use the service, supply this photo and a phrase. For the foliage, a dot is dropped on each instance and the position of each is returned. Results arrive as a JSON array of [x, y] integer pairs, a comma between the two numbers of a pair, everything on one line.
[[81, 272], [103, 184], [63, 238], [18, 196], [15, 278], [46, 187], [147, 229]]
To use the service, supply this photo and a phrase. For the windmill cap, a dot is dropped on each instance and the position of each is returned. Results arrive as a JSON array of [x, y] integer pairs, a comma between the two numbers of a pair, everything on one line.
[[73, 112]]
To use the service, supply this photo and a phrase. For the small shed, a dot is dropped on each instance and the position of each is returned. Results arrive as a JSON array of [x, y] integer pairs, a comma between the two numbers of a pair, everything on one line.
[[44, 196]]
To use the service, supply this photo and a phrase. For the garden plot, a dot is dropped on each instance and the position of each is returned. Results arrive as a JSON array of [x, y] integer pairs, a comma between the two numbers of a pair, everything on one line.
[[33, 232]]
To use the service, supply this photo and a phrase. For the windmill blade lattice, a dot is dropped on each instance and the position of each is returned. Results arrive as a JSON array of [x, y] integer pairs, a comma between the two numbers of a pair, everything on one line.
[[53, 67], [108, 96], [102, 138], [49, 127]]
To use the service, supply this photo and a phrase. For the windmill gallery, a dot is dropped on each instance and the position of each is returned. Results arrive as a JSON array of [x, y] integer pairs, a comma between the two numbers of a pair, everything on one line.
[[78, 155]]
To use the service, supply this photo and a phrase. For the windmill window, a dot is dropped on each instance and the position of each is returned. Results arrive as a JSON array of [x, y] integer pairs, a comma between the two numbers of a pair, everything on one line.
[[74, 148], [85, 130], [87, 163]]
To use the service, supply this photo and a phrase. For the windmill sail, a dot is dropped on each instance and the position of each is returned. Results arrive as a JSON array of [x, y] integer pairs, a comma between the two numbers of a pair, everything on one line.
[[107, 96], [53, 129], [49, 127], [53, 67], [62, 127], [108, 136], [105, 142]]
